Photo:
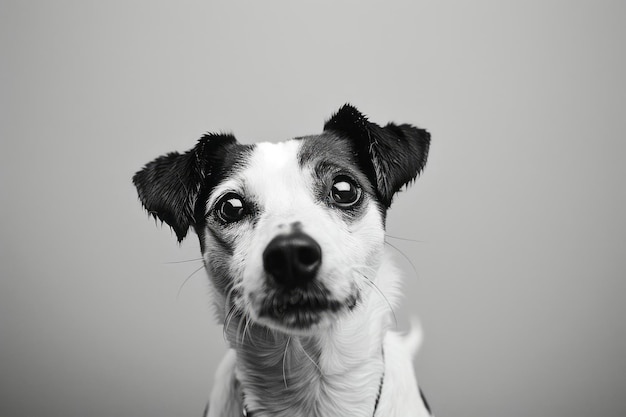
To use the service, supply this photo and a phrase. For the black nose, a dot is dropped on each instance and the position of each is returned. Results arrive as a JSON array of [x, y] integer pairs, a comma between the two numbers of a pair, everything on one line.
[[292, 260]]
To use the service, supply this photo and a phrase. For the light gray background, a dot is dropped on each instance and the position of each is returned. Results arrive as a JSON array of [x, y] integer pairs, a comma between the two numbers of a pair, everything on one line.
[[519, 217]]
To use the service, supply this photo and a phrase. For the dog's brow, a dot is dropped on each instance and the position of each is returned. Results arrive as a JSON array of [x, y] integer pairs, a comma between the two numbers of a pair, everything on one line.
[[324, 147], [325, 166]]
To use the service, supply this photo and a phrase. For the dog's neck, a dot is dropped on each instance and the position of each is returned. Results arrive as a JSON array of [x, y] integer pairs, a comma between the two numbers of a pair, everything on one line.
[[330, 374], [337, 371]]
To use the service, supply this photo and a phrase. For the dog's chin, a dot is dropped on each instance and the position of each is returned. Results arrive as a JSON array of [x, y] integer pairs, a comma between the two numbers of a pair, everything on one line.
[[301, 312]]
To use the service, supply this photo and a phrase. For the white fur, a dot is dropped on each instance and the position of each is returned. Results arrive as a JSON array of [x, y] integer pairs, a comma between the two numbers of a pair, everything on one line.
[[334, 368]]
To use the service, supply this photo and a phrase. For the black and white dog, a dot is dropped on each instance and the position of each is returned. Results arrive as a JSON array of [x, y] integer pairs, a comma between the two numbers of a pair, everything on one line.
[[292, 237]]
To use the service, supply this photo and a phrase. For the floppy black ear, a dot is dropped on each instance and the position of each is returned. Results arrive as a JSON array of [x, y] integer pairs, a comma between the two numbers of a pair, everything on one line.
[[391, 156], [168, 186]]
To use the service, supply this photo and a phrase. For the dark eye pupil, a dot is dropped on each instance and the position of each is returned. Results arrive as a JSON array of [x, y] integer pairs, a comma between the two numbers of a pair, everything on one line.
[[231, 208], [344, 191]]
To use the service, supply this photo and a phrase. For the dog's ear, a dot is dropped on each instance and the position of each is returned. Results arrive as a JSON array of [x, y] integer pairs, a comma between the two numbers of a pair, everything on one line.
[[168, 186], [391, 156]]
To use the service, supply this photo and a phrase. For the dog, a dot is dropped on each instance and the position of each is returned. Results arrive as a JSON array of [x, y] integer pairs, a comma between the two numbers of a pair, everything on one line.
[[292, 237]]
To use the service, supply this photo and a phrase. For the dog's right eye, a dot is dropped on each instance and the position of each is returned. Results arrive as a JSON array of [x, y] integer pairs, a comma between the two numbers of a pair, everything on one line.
[[345, 192], [230, 208]]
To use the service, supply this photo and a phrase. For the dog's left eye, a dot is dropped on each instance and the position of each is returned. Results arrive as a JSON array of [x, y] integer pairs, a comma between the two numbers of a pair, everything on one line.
[[230, 208], [345, 192]]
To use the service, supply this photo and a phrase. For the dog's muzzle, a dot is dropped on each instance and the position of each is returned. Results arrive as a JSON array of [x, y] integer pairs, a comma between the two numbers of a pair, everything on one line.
[[292, 260], [296, 298]]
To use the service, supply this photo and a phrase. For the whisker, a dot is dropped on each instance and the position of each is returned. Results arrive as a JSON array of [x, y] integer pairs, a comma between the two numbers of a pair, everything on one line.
[[184, 261], [311, 359], [187, 279], [284, 360], [382, 295], [365, 269], [229, 293], [240, 330], [245, 329], [405, 257], [405, 239], [227, 320]]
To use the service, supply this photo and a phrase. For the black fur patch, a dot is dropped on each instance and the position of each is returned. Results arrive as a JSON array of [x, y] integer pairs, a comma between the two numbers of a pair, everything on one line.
[[329, 155], [391, 156], [425, 402], [170, 186]]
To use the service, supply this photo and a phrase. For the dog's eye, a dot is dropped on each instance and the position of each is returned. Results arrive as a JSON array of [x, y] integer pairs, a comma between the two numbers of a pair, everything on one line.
[[230, 208], [345, 192]]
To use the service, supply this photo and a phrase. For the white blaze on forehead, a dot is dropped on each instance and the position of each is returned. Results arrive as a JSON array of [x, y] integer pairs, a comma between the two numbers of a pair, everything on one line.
[[271, 170], [275, 178]]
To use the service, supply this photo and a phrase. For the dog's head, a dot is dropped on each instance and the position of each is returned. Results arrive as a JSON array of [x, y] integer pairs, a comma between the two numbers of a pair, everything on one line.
[[290, 232]]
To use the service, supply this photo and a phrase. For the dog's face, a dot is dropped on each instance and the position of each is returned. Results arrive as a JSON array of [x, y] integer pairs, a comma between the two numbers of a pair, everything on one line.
[[290, 232], [293, 231]]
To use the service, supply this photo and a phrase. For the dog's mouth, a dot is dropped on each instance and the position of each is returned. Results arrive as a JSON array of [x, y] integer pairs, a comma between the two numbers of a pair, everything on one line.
[[301, 309]]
